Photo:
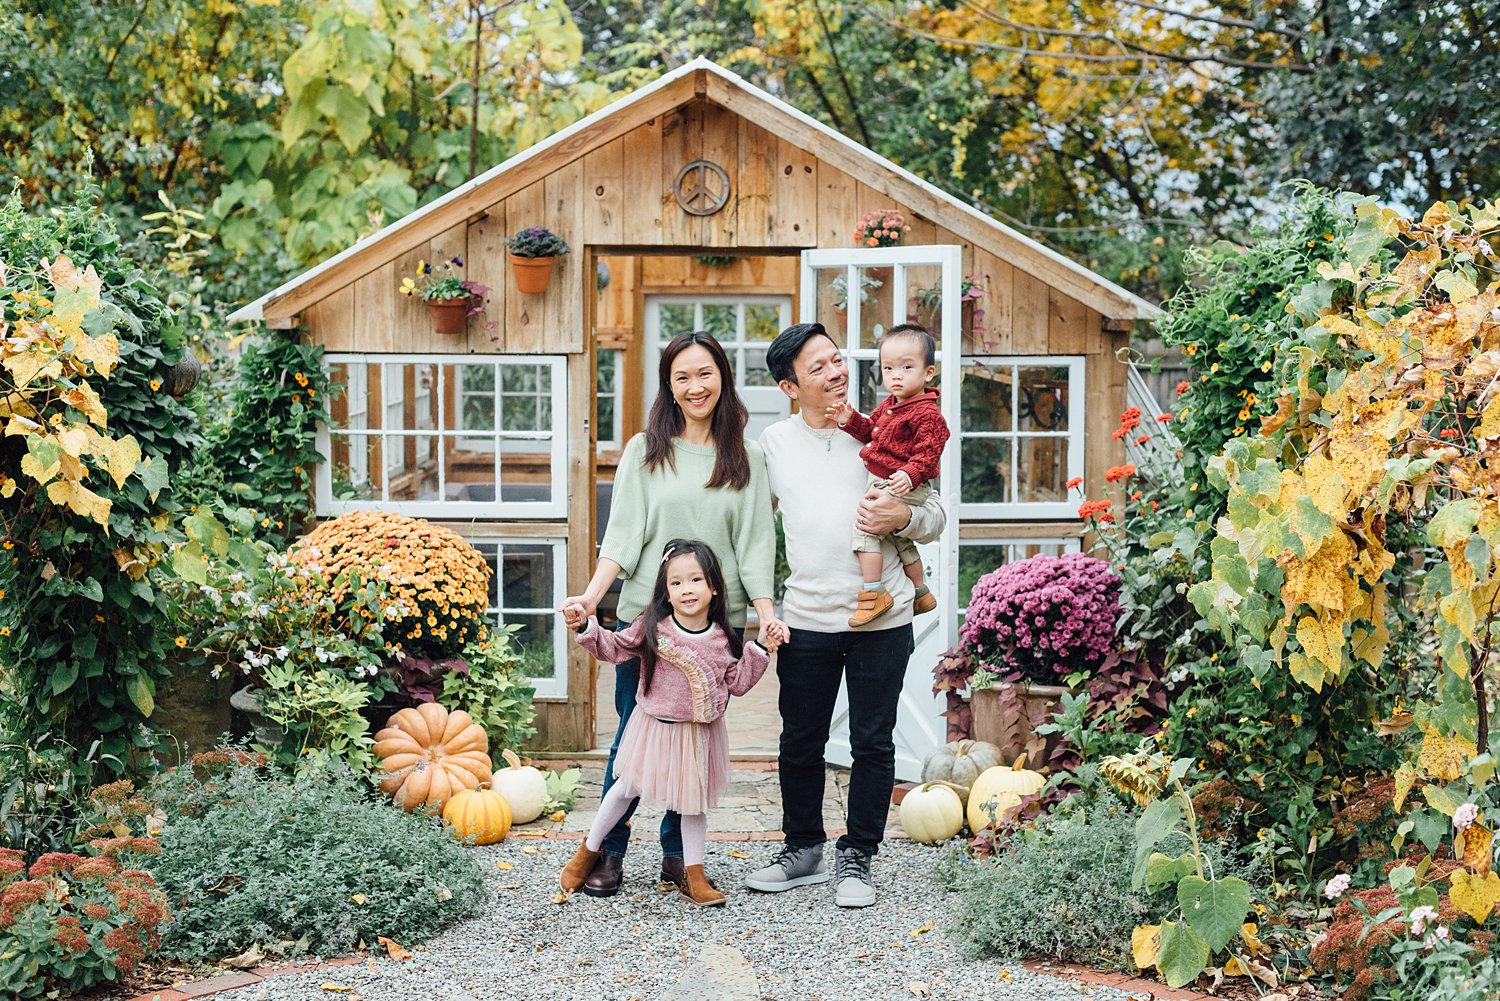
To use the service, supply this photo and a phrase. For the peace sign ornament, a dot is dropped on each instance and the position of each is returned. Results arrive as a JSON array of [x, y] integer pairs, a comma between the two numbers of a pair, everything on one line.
[[702, 188]]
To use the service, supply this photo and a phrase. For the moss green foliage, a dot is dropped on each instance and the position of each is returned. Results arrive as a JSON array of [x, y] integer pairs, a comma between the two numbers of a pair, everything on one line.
[[262, 444], [1062, 888], [494, 692], [252, 858], [82, 632]]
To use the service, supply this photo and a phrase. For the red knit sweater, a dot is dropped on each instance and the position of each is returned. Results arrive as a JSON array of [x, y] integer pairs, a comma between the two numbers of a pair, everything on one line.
[[903, 437]]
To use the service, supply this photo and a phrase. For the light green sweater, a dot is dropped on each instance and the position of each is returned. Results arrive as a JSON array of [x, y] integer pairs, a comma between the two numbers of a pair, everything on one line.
[[649, 509]]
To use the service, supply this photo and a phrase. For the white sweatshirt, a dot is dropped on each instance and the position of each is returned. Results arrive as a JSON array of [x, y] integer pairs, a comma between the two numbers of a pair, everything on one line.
[[817, 480]]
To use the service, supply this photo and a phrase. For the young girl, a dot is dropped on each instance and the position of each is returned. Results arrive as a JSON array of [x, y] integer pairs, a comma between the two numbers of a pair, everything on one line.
[[904, 440], [675, 749]]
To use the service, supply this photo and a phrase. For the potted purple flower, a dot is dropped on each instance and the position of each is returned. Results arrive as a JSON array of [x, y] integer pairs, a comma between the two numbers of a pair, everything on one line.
[[1041, 625], [450, 299], [532, 251]]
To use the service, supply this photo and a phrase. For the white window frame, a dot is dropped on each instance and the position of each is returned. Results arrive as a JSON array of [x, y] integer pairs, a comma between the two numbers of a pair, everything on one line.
[[555, 686], [610, 439], [1077, 425], [554, 440]]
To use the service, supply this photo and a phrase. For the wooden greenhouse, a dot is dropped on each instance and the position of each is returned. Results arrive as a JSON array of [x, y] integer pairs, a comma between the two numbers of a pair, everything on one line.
[[699, 202]]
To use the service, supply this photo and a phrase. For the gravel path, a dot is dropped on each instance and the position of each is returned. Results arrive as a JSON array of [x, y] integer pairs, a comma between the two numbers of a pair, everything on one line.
[[645, 943]]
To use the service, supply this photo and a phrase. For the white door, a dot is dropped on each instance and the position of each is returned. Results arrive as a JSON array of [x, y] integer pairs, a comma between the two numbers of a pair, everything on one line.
[[899, 285], [744, 325]]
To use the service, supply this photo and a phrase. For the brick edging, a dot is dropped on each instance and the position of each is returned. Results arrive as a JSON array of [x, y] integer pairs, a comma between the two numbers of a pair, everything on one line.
[[1146, 990], [244, 978]]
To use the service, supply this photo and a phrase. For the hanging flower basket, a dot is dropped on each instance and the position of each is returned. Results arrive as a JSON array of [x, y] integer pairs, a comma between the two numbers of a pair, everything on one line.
[[449, 316], [532, 273]]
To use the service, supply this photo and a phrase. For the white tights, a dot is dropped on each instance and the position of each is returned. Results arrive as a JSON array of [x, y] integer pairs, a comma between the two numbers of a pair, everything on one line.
[[618, 800]]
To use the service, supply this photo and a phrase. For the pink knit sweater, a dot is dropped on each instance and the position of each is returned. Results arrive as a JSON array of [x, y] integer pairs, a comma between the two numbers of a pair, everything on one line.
[[695, 672]]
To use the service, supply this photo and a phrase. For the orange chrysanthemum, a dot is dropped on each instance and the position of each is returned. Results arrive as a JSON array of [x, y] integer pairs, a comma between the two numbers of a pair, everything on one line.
[[433, 577]]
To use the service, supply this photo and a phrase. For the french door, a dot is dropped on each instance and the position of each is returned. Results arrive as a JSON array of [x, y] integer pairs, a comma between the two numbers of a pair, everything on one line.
[[859, 294]]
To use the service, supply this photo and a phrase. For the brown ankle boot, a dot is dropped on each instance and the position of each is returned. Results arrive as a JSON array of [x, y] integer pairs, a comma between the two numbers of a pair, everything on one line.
[[577, 869], [698, 889], [871, 605]]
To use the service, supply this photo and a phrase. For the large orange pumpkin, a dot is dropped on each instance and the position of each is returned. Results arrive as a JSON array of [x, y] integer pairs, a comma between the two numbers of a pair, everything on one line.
[[481, 816], [428, 754]]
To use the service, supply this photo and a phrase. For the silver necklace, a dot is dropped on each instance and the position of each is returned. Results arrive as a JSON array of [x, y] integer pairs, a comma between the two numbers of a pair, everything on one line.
[[826, 437]]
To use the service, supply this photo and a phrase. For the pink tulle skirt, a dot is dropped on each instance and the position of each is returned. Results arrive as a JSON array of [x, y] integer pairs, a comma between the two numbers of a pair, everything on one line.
[[681, 766]]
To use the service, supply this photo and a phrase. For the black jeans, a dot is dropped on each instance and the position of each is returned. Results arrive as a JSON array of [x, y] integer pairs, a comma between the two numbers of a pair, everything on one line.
[[871, 665]]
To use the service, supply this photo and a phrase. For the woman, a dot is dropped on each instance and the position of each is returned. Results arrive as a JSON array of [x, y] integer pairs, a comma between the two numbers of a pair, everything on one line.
[[690, 474]]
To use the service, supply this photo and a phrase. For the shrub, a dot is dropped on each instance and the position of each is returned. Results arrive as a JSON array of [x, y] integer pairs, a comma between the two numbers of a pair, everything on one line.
[[259, 859], [1046, 617], [492, 692], [1061, 889], [437, 585], [69, 922]]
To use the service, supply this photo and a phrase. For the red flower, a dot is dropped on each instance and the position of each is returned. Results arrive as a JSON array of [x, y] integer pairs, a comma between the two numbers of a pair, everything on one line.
[[1164, 418], [1448, 433], [53, 863], [1089, 509], [1075, 482], [1130, 419], [1136, 496], [1119, 433], [1115, 474], [1105, 519], [1182, 387], [1143, 439]]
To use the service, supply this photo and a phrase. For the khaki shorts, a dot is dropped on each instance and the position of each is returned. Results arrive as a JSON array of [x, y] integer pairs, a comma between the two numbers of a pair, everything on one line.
[[905, 549]]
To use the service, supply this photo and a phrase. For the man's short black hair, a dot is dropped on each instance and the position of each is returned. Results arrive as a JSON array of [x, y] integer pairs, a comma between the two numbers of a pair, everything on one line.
[[788, 345], [919, 333]]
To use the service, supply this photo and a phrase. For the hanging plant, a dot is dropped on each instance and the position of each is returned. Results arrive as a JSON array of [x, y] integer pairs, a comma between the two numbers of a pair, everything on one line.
[[532, 251], [450, 299]]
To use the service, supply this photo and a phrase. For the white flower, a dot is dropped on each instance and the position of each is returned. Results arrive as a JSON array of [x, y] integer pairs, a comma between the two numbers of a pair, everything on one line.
[[1420, 917], [1464, 817], [1336, 886]]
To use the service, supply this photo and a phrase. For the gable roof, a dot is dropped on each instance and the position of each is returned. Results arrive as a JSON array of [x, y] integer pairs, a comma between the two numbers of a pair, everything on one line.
[[706, 79]]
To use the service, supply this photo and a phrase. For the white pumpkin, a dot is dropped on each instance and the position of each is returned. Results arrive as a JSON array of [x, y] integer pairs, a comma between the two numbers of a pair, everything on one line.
[[524, 788], [1000, 790], [960, 762], [932, 812]]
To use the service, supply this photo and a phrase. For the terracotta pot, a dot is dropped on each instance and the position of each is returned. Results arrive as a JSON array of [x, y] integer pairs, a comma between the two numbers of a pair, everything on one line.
[[1007, 715], [449, 316], [532, 273]]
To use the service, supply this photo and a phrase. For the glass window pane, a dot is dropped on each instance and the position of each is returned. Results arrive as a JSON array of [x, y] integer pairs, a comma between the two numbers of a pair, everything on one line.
[[762, 323], [526, 471], [985, 397], [354, 458], [876, 306], [871, 389], [1042, 469], [985, 471], [924, 297], [412, 465], [719, 321], [1044, 398], [606, 364], [974, 561], [756, 373], [526, 577], [535, 643], [604, 418], [676, 318], [469, 468]]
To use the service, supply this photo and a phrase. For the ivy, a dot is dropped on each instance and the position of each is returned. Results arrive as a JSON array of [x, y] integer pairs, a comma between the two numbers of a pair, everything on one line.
[[80, 623]]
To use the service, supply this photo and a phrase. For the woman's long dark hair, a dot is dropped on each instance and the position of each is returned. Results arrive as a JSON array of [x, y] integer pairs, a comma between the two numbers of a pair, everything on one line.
[[665, 422], [661, 606]]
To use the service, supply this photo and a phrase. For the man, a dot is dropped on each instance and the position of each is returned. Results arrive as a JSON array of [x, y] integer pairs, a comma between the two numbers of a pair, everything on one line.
[[818, 483]]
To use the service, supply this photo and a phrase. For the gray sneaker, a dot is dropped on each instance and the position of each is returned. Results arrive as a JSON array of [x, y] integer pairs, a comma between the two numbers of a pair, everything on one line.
[[854, 887], [792, 868]]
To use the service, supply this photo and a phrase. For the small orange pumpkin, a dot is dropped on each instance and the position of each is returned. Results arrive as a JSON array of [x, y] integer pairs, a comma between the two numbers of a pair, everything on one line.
[[428, 754], [481, 816]]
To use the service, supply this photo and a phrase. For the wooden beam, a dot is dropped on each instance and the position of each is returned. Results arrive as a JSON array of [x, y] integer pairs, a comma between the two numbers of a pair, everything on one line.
[[461, 209], [860, 164]]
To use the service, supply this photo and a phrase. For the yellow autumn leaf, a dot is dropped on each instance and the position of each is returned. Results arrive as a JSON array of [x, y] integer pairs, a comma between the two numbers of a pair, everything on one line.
[[1145, 940], [530, 850], [1232, 968], [393, 949], [32, 467], [562, 897], [334, 988], [1406, 777], [123, 458], [83, 399], [101, 352], [558, 816], [74, 440], [81, 500], [358, 898], [1473, 846], [504, 866], [1250, 932], [736, 853], [19, 425], [25, 368], [1475, 895], [1443, 757], [921, 931]]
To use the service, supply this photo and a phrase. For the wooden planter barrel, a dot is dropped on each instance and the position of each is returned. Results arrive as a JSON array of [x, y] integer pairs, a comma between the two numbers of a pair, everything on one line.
[[999, 720]]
